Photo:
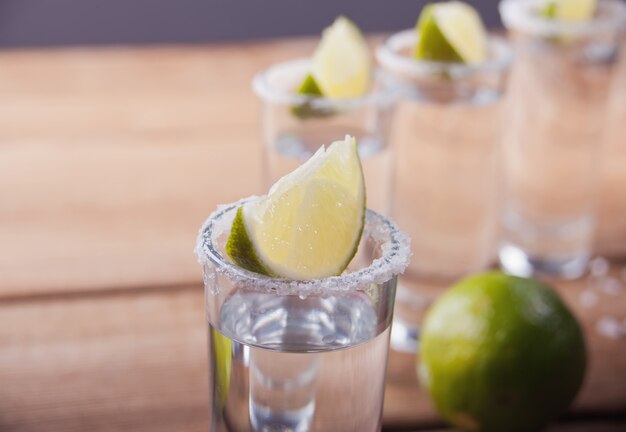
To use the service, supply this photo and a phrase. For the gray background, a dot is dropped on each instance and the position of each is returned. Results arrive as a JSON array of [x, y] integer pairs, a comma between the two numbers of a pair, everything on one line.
[[26, 23]]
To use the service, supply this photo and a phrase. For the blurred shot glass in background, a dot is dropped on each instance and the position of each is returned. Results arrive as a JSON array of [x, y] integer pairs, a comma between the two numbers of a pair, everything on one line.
[[446, 132], [294, 125], [554, 136]]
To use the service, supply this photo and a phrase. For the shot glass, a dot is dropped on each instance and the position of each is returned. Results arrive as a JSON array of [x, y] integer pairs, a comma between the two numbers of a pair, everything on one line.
[[294, 125], [553, 144], [447, 133], [305, 355]]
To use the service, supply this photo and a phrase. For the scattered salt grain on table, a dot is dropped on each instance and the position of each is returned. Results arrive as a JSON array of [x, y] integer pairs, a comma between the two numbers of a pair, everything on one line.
[[611, 328], [588, 299], [599, 266], [610, 286]]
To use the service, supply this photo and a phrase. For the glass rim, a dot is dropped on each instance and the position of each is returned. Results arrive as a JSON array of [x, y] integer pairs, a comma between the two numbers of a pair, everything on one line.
[[388, 56], [393, 261], [267, 92], [521, 15]]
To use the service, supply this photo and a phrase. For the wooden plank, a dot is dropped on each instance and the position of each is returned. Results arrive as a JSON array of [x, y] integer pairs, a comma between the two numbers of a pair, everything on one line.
[[583, 426], [118, 362], [135, 360], [591, 426], [111, 157]]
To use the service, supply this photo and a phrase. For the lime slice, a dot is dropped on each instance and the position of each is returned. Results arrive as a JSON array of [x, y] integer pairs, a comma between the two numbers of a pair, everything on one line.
[[341, 62], [309, 86], [306, 109], [569, 10], [310, 223], [451, 32]]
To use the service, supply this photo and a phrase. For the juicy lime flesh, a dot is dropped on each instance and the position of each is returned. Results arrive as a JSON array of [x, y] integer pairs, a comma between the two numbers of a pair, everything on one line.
[[322, 246], [569, 10], [310, 224], [341, 62], [501, 353], [451, 32]]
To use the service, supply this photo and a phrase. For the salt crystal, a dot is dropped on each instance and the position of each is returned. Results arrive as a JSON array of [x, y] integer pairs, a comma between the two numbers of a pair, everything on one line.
[[609, 327], [599, 266], [210, 281], [610, 286], [588, 299]]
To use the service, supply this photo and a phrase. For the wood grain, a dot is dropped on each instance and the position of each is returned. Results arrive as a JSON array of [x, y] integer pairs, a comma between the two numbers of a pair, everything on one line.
[[110, 158], [105, 362], [135, 360]]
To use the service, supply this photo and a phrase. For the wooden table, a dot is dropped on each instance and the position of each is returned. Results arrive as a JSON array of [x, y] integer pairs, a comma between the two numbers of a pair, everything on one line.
[[110, 158]]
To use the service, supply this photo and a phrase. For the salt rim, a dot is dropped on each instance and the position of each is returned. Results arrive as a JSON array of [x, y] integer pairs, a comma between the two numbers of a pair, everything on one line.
[[395, 257], [261, 84], [387, 54], [522, 15]]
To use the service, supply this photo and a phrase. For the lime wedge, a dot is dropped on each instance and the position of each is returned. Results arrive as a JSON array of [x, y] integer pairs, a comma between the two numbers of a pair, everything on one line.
[[341, 62], [309, 86], [306, 109], [549, 10], [451, 32], [569, 10], [310, 223]]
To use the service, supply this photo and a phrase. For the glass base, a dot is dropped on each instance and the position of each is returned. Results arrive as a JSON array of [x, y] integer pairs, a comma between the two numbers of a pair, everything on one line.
[[266, 419], [515, 261], [413, 297], [404, 337]]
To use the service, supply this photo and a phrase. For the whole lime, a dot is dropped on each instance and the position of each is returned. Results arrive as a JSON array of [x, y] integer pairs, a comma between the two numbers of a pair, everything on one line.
[[501, 353]]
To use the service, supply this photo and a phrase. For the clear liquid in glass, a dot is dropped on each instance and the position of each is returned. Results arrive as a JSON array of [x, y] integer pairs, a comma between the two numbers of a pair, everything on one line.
[[286, 363]]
